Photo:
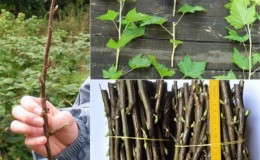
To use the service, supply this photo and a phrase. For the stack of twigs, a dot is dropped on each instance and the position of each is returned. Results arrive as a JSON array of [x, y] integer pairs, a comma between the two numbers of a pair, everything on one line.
[[148, 122], [233, 119]]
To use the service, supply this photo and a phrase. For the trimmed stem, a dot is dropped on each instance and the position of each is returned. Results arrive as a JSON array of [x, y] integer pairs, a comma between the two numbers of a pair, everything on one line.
[[122, 99], [135, 117], [107, 106], [241, 125], [147, 106], [229, 115], [113, 102], [46, 65], [159, 96]]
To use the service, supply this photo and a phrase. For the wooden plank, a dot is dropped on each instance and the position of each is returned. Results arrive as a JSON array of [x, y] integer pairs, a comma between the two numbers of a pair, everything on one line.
[[202, 35], [152, 74], [206, 29], [164, 7]]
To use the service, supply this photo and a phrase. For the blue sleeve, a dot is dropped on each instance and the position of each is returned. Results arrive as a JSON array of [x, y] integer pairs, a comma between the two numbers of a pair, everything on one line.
[[80, 149]]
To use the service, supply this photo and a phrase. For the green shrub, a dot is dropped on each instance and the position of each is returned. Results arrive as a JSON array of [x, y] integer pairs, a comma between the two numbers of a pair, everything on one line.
[[38, 7]]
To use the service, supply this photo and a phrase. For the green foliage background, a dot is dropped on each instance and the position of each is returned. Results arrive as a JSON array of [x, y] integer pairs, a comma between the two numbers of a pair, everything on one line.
[[38, 7], [21, 56]]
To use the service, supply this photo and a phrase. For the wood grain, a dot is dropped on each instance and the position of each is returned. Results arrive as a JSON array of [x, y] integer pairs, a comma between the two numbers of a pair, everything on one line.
[[203, 35]]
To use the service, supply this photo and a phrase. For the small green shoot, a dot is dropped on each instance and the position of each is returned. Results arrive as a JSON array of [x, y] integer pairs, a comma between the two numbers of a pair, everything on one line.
[[231, 75], [139, 62], [112, 73]]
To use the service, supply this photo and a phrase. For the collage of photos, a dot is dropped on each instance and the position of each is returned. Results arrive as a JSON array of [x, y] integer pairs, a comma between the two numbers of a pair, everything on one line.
[[129, 80]]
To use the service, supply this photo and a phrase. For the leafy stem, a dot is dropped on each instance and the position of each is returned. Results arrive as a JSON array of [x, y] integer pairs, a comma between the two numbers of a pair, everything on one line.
[[173, 44], [121, 6], [132, 26], [250, 51], [183, 10], [242, 16]]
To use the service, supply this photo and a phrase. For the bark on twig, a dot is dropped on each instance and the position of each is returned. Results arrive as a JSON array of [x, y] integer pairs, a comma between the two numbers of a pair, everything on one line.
[[229, 115], [241, 125], [149, 111], [122, 101], [109, 119], [136, 118], [47, 64]]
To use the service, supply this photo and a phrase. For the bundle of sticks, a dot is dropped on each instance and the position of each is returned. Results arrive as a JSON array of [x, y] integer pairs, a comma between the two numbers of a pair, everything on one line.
[[146, 121]]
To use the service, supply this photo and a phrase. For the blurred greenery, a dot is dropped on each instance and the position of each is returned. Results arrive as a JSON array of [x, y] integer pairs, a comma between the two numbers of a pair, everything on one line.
[[38, 7], [22, 43]]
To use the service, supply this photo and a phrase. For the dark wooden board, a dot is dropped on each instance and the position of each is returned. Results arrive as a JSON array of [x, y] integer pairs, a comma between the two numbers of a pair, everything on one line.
[[202, 33]]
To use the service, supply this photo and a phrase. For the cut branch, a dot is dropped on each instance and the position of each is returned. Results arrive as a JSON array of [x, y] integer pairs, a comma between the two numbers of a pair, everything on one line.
[[46, 65]]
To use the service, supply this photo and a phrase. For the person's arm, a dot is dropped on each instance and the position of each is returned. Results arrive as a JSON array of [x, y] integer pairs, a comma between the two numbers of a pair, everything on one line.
[[80, 111], [79, 149], [72, 142]]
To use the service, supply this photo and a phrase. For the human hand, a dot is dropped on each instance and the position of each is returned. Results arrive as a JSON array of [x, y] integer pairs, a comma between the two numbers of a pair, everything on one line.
[[28, 121]]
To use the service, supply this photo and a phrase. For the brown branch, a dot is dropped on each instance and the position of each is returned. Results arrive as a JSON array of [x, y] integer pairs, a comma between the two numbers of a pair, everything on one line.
[[187, 124], [228, 114], [113, 104], [148, 150], [135, 117], [241, 126], [46, 65], [197, 122], [179, 117], [159, 96], [226, 148], [106, 101], [122, 100], [147, 106]]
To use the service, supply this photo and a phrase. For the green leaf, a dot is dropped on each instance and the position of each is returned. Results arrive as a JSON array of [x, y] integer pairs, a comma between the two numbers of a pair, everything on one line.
[[240, 14], [231, 75], [190, 68], [109, 16], [162, 70], [177, 42], [133, 16], [130, 34], [186, 8], [233, 35], [258, 16], [112, 44], [256, 58], [154, 20], [139, 62], [240, 60], [127, 36], [112, 73], [228, 6], [8, 81], [257, 2]]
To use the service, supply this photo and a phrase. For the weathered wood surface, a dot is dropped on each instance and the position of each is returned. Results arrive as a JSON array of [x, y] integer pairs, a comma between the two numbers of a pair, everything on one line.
[[202, 33]]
